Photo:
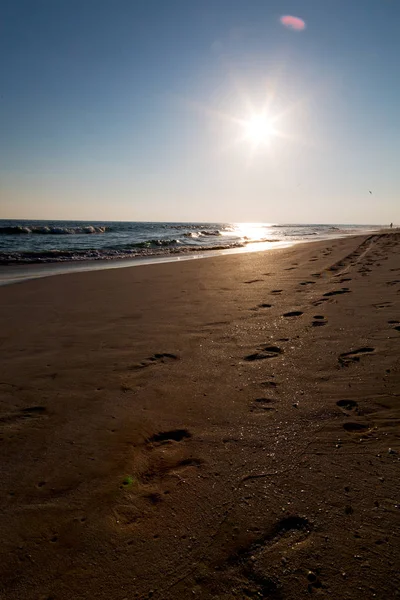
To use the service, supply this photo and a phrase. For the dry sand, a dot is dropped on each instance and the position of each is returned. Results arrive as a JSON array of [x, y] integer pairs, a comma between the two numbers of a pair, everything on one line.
[[223, 428]]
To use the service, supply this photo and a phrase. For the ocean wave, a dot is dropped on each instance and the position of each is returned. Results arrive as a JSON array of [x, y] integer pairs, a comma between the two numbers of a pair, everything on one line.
[[174, 241], [55, 256], [156, 243], [199, 228], [212, 232], [52, 230], [202, 232]]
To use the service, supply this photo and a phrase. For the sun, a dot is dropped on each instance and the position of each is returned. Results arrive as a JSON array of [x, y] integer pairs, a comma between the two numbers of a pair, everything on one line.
[[258, 129]]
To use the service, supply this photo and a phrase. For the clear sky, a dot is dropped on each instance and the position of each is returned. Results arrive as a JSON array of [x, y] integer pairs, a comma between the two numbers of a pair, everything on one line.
[[200, 110]]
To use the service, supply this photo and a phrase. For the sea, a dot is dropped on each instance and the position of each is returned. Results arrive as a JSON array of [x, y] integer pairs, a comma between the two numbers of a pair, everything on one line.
[[35, 242]]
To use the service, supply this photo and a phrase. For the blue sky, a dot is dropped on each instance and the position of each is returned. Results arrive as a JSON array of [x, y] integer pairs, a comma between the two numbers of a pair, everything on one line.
[[137, 110]]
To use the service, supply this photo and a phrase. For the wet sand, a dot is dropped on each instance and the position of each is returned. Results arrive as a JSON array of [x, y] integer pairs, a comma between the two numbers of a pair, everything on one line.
[[221, 428]]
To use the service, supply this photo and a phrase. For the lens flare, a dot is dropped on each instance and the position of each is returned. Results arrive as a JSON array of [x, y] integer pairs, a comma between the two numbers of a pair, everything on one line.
[[293, 22]]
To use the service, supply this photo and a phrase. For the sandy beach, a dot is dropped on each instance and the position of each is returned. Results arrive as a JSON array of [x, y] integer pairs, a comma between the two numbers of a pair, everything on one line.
[[221, 428]]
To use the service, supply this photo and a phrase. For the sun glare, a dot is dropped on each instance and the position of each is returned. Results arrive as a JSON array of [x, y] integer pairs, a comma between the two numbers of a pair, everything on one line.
[[258, 129]]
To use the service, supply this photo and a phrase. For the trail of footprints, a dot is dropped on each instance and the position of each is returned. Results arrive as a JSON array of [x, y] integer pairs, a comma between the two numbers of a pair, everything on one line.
[[162, 461], [291, 529], [162, 456], [264, 404]]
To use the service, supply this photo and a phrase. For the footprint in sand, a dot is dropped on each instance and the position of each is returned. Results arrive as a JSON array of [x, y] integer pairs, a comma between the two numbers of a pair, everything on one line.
[[262, 405], [355, 427], [269, 384], [293, 313], [346, 358], [262, 305], [383, 305], [344, 290], [264, 352], [319, 302], [152, 360], [319, 321], [23, 416], [252, 558], [276, 291], [394, 282], [289, 531], [166, 455], [253, 281], [347, 406], [174, 435]]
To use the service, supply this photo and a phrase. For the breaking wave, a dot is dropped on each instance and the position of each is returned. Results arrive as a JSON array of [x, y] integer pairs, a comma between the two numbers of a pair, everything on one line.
[[51, 230], [136, 251], [203, 232], [156, 243]]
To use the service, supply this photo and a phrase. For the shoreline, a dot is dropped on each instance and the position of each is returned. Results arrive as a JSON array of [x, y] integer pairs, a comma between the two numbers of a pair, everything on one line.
[[35, 271], [14, 273], [225, 429]]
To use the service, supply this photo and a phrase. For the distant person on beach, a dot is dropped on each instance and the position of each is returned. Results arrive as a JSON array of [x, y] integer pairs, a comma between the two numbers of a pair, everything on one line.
[[391, 225]]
